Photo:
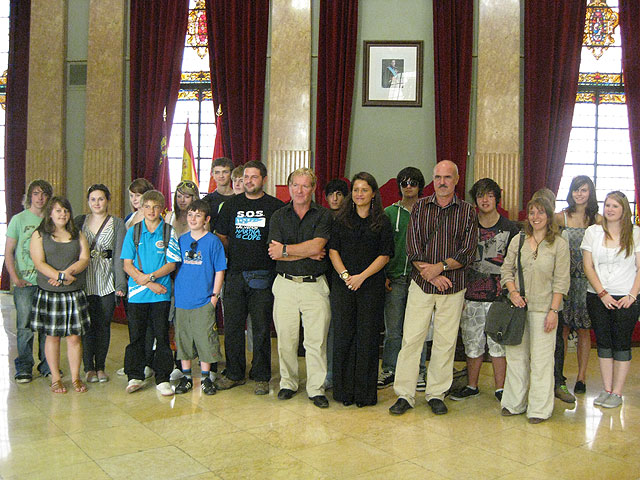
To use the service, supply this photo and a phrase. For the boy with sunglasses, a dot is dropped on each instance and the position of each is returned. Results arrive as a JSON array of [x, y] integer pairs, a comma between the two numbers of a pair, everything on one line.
[[398, 271], [197, 292]]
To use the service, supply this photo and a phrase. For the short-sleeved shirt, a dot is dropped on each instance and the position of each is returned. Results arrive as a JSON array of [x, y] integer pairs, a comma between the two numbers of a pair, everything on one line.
[[615, 271], [195, 279], [288, 228], [359, 245], [151, 254], [21, 228], [483, 275], [245, 222]]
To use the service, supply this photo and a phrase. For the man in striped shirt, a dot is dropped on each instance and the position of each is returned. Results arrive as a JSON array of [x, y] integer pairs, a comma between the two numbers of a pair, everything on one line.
[[441, 242]]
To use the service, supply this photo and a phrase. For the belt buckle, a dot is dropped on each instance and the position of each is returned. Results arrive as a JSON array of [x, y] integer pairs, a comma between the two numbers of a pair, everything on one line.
[[297, 278]]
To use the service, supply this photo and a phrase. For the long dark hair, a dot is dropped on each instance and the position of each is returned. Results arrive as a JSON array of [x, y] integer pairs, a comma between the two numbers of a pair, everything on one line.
[[47, 225], [591, 209], [347, 211]]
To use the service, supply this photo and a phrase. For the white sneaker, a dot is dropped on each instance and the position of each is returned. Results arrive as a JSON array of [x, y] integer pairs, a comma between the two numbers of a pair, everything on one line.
[[165, 389], [134, 385], [176, 375], [120, 372], [148, 372]]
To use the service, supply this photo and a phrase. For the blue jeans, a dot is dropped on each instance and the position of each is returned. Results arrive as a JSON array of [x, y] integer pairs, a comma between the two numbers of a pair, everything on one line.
[[395, 303], [23, 300]]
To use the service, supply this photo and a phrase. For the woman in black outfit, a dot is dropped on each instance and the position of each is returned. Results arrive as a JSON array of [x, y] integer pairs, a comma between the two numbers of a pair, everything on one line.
[[361, 245]]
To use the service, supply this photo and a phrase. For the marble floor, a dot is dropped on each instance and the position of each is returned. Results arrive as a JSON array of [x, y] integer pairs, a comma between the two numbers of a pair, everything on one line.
[[107, 433]]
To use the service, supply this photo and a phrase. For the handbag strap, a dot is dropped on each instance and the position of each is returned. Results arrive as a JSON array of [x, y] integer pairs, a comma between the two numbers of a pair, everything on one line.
[[95, 239], [520, 276]]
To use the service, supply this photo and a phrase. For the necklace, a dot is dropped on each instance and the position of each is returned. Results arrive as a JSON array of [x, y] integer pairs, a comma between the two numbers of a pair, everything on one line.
[[535, 253]]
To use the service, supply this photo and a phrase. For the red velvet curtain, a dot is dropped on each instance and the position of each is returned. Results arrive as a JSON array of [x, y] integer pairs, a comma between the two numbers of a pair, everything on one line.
[[452, 44], [158, 30], [16, 111], [552, 44], [337, 43], [237, 32], [630, 28]]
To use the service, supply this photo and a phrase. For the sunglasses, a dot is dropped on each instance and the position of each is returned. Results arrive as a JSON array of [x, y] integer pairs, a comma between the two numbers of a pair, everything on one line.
[[191, 254], [408, 182], [188, 184]]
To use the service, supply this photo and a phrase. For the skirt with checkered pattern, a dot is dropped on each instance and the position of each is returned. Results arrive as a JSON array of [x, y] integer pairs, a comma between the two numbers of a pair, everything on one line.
[[60, 314]]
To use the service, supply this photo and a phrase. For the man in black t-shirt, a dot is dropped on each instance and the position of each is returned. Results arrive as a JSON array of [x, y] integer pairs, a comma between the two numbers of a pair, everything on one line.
[[243, 227], [222, 175]]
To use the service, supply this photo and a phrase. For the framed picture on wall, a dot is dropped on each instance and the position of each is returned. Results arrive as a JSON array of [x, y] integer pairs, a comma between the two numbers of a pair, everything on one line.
[[392, 73]]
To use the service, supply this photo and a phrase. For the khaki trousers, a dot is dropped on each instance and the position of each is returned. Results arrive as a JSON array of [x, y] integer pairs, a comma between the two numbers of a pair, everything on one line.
[[311, 300], [417, 319], [529, 382]]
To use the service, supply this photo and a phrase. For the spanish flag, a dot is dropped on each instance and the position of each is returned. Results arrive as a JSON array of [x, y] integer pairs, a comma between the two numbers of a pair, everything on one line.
[[188, 165]]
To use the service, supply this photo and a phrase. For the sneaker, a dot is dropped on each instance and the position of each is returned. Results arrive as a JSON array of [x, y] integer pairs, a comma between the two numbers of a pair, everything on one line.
[[385, 379], [262, 388], [208, 388], [184, 385], [498, 393], [562, 393], [176, 375], [600, 399], [612, 401], [120, 372], [421, 386], [466, 392], [148, 372], [580, 387], [225, 383], [23, 377], [134, 385], [165, 389], [92, 377]]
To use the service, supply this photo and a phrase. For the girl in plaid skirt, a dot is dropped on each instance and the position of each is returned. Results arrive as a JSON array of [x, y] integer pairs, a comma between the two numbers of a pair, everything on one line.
[[60, 253]]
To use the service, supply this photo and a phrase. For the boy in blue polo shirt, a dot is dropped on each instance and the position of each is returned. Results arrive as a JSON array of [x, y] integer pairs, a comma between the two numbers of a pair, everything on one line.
[[197, 291], [150, 252]]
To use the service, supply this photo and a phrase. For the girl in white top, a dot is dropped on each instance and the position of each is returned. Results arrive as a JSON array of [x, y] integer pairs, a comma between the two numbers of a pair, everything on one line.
[[611, 254]]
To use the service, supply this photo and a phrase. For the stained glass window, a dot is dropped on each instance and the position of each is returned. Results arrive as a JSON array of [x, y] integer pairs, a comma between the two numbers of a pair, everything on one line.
[[4, 64], [194, 102], [599, 144]]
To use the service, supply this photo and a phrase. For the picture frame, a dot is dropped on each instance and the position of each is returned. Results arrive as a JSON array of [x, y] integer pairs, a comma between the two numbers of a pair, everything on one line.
[[392, 73]]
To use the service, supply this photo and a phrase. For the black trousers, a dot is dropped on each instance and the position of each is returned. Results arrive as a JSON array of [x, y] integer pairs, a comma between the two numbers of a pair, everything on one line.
[[357, 327], [142, 316], [95, 341], [239, 301]]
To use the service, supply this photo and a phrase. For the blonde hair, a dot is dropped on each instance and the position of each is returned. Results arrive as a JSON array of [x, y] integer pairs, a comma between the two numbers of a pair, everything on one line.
[[626, 227], [303, 172], [542, 203]]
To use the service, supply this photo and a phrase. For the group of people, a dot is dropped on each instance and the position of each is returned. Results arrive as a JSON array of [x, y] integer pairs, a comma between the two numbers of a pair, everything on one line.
[[421, 268]]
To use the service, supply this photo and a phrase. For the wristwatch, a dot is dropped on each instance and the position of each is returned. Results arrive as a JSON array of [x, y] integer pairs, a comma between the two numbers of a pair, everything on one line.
[[344, 275], [445, 265], [152, 278], [284, 251]]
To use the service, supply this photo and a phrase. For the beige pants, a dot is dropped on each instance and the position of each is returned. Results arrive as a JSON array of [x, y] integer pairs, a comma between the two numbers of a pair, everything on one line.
[[311, 300], [417, 319], [529, 382]]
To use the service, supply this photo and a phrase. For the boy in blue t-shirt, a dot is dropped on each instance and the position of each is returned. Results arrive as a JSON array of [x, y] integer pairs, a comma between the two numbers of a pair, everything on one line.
[[197, 292], [148, 265]]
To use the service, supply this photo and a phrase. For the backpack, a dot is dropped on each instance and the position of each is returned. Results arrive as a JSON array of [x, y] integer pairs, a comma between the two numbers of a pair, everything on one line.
[[166, 237]]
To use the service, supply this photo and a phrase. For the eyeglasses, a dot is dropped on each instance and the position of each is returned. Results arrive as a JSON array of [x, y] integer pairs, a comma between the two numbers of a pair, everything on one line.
[[408, 182], [191, 254], [187, 184]]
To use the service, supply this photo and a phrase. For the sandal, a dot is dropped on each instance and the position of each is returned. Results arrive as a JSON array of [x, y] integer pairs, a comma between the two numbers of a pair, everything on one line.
[[79, 386], [58, 387]]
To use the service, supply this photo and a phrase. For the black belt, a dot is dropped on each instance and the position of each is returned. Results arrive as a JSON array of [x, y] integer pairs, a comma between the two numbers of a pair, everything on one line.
[[301, 278]]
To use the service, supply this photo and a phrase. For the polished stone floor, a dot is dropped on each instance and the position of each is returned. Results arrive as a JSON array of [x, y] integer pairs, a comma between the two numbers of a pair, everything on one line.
[[106, 433]]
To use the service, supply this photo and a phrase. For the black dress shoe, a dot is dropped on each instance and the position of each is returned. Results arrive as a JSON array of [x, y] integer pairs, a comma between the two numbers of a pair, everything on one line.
[[437, 406], [360, 404], [400, 407], [320, 401], [347, 403], [285, 394]]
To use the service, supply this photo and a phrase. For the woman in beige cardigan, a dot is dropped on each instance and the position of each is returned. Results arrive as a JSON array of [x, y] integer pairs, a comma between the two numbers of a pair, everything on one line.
[[545, 266]]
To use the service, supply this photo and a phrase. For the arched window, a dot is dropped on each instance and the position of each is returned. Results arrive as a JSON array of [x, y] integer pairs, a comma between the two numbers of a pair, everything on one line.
[[194, 102], [599, 145]]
